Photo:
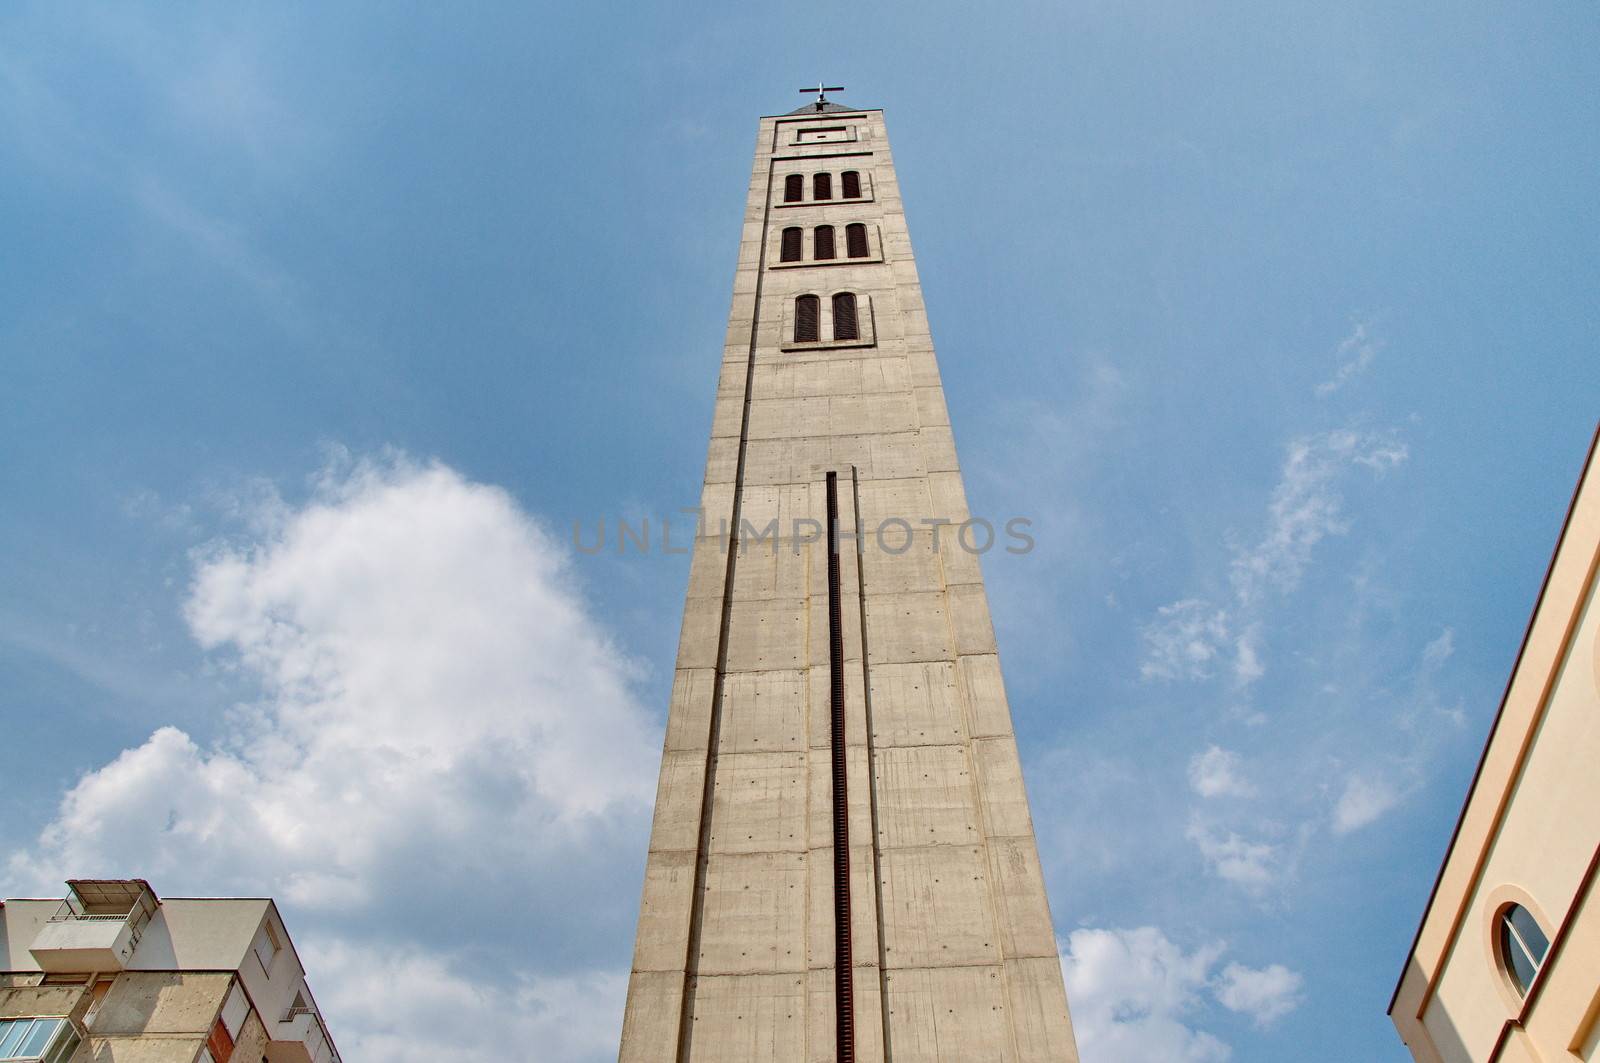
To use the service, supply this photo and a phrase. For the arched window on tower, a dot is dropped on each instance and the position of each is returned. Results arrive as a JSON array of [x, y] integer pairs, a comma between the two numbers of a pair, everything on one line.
[[823, 243], [855, 240], [850, 182], [807, 315], [822, 186], [844, 317], [794, 188], [1522, 945], [791, 245]]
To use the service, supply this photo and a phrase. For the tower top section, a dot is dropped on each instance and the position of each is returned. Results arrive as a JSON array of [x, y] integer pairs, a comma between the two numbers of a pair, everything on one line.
[[821, 104]]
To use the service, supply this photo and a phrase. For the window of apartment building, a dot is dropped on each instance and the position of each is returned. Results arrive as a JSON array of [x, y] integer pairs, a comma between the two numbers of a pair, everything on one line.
[[791, 245], [46, 1040], [267, 946], [850, 182], [1522, 945], [794, 188], [822, 186]]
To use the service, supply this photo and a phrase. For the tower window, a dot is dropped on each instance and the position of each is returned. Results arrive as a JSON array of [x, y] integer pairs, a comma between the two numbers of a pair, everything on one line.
[[824, 242], [850, 182], [807, 314], [844, 317], [791, 245], [794, 188], [822, 186], [1522, 945], [855, 239]]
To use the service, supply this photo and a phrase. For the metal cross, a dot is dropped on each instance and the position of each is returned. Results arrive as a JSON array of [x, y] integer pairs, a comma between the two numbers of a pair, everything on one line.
[[821, 91]]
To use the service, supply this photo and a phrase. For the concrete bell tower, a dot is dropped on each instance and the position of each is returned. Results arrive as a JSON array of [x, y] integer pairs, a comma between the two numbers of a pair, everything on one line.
[[842, 865]]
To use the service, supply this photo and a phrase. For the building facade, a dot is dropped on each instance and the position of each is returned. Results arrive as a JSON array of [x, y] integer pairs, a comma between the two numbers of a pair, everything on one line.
[[842, 864], [1506, 964], [113, 974]]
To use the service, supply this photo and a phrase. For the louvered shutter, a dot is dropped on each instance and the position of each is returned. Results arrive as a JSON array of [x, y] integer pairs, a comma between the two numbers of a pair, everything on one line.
[[824, 242], [855, 241], [794, 188], [807, 312], [822, 186], [851, 180], [791, 245], [844, 317]]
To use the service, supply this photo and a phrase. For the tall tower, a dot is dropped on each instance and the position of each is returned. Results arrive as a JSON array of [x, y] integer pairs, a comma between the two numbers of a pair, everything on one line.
[[842, 865]]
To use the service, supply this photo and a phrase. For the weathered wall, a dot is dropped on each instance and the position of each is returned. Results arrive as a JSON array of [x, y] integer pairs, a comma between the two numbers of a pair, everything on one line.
[[156, 1017]]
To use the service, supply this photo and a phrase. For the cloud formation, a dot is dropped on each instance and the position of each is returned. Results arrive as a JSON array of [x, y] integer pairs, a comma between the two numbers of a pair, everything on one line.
[[1266, 995], [1188, 638], [1356, 353], [1364, 799], [406, 1005], [1137, 995], [1307, 507], [1215, 772], [1254, 866], [1183, 641], [1197, 639], [438, 714], [1131, 992]]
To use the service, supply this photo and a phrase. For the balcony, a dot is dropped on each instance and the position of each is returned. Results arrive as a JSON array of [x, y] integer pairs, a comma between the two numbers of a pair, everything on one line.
[[300, 1037], [96, 928]]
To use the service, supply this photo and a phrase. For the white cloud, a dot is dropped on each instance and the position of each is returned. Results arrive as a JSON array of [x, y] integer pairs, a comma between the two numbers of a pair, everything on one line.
[[1435, 653], [1183, 641], [1364, 799], [1254, 866], [405, 1005], [1266, 995], [1247, 666], [1197, 638], [1306, 508], [440, 721], [427, 671], [1131, 993], [1356, 353], [1136, 996], [1214, 772], [1189, 636]]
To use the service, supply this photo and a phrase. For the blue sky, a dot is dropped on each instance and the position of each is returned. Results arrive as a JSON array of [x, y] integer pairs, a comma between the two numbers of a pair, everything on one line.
[[1278, 320]]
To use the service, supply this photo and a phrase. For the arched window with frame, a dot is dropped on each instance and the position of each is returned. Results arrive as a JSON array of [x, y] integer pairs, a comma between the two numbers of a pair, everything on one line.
[[794, 188], [850, 184], [791, 247], [1523, 945], [807, 319], [844, 317], [822, 243], [822, 186], [855, 240]]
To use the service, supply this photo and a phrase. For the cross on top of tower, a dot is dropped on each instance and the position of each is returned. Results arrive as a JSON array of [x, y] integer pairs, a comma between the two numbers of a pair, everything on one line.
[[822, 93]]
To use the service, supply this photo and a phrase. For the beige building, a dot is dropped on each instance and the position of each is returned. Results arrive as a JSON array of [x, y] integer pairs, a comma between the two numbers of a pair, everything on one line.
[[842, 864], [113, 974], [1506, 964]]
